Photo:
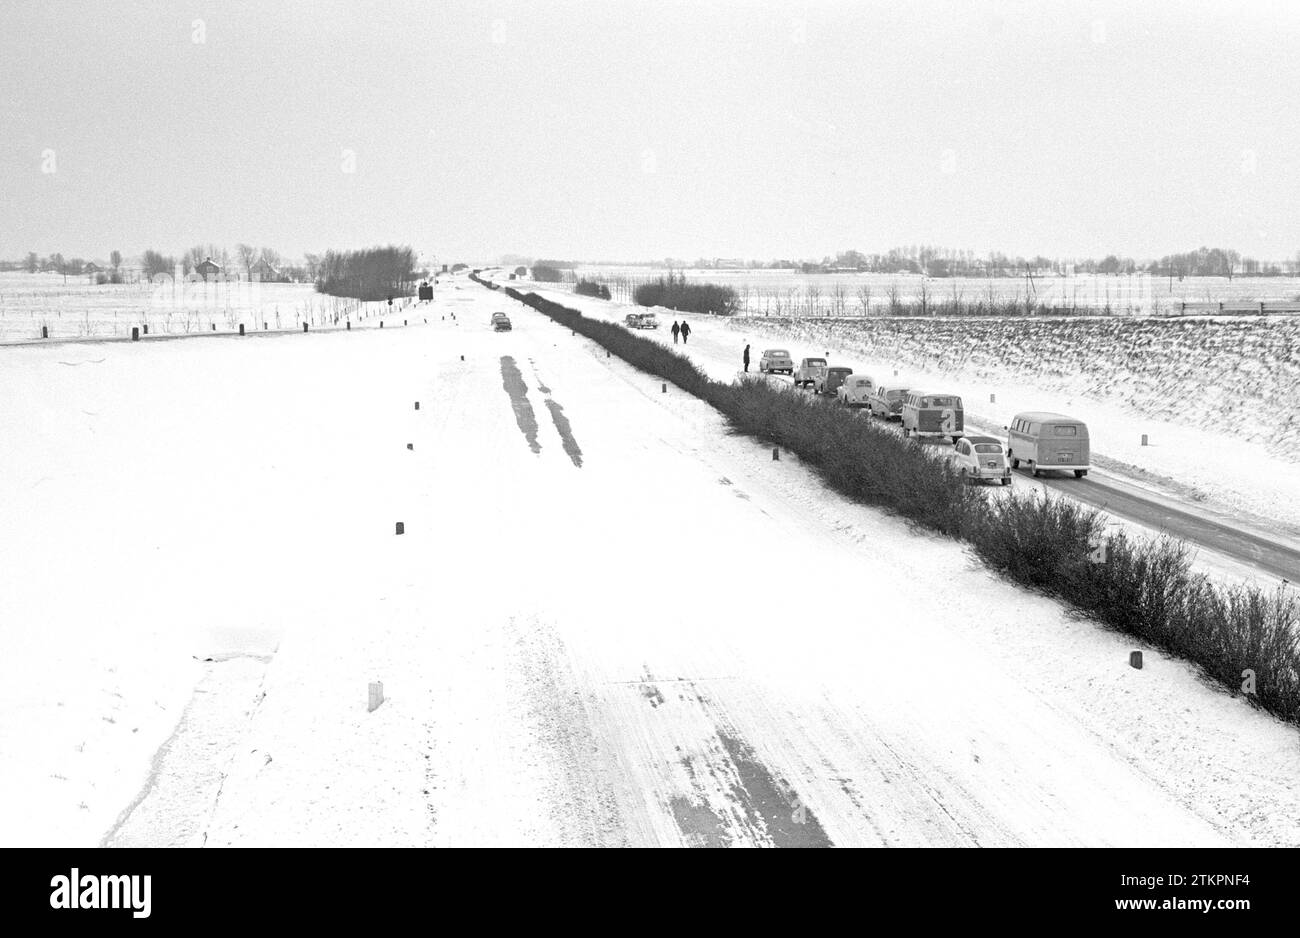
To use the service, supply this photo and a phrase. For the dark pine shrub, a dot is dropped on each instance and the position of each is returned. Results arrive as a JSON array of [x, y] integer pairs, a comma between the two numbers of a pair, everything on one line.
[[675, 292], [586, 287]]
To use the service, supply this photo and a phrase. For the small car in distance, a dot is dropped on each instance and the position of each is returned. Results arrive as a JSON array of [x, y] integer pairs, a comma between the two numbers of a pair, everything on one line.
[[810, 369], [856, 390], [501, 322], [887, 403], [982, 459], [776, 361], [1048, 441], [831, 379]]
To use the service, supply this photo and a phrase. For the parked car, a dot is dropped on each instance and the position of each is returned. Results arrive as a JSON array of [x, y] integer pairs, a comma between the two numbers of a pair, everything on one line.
[[641, 321], [810, 369], [930, 413], [886, 402], [1048, 441], [982, 458], [856, 390], [501, 322], [831, 379], [776, 361]]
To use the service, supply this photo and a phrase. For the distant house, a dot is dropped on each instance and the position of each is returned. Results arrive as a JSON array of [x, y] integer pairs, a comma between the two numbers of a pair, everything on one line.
[[264, 271], [91, 268], [208, 270]]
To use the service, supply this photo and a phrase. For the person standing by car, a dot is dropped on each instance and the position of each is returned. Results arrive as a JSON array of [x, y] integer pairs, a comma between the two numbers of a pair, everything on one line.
[[746, 358], [676, 330], [686, 332]]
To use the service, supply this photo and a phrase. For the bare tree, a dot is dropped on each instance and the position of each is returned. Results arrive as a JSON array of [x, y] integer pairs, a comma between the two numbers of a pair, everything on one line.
[[247, 255], [115, 259], [839, 298], [864, 298], [814, 297]]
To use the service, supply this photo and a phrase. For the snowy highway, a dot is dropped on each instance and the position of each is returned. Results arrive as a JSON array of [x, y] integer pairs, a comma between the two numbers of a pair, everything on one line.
[[1244, 546], [607, 622]]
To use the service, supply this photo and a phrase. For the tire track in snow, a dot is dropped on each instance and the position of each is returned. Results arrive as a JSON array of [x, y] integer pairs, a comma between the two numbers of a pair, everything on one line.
[[561, 422], [734, 795], [513, 382]]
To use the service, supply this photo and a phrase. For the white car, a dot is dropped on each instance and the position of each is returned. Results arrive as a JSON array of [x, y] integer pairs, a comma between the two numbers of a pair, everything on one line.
[[982, 458], [856, 390], [776, 360]]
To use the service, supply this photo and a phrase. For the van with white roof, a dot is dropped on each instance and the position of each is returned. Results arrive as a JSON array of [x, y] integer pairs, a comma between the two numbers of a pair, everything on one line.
[[1045, 441]]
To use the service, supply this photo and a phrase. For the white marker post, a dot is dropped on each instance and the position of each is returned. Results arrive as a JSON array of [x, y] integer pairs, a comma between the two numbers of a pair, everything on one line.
[[376, 695]]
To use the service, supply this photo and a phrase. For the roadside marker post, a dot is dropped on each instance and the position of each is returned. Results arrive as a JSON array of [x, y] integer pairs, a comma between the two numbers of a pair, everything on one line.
[[1135, 659], [135, 333], [1144, 439], [776, 454], [401, 528]]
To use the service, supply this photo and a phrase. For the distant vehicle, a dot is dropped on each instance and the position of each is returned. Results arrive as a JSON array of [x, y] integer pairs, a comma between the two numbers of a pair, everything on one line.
[[810, 369], [641, 321], [929, 413], [501, 322], [1048, 441], [982, 458], [855, 391], [831, 379], [887, 403], [776, 361]]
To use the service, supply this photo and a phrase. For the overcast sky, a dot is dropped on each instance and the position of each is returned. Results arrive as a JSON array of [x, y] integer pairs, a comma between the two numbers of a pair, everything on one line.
[[640, 130]]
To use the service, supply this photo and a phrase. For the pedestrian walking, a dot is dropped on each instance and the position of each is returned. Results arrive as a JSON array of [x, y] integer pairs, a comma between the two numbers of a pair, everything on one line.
[[746, 358], [676, 331], [686, 331]]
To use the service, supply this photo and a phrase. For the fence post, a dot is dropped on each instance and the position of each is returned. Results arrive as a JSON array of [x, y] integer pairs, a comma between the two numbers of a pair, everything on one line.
[[241, 328], [45, 332], [135, 333], [304, 327]]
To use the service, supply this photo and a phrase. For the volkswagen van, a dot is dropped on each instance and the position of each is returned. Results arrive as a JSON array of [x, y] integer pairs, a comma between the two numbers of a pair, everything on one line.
[[1045, 441], [932, 413]]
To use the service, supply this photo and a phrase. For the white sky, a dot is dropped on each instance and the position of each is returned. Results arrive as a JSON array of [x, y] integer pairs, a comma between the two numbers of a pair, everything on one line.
[[628, 130]]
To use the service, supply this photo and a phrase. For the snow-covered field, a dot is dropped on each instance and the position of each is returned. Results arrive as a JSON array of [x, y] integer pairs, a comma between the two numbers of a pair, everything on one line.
[[76, 308], [608, 622], [789, 292]]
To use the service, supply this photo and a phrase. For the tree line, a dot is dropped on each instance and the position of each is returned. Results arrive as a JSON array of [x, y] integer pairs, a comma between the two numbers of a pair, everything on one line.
[[369, 274]]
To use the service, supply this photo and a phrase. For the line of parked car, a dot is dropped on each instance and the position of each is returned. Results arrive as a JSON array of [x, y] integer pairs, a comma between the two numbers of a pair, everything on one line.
[[1040, 440]]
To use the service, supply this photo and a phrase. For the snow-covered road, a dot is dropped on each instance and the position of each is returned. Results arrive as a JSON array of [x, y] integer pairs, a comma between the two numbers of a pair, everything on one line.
[[608, 622], [1232, 543]]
